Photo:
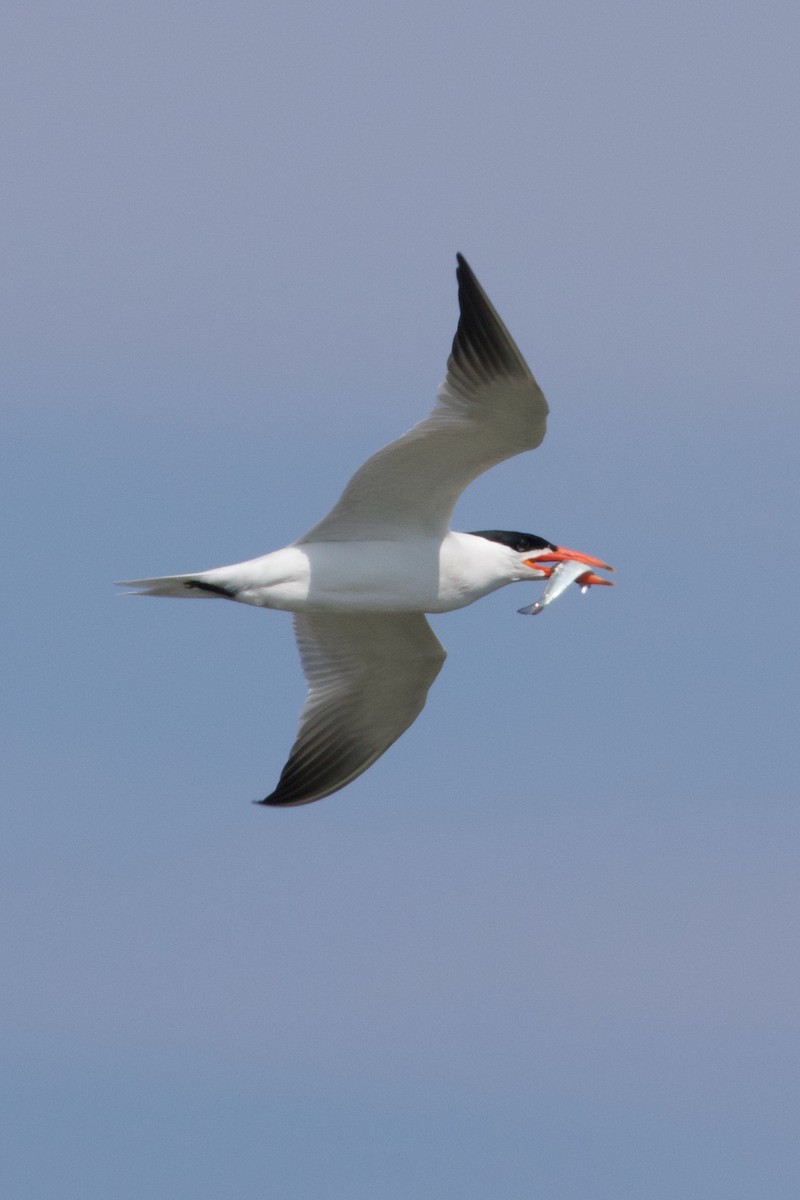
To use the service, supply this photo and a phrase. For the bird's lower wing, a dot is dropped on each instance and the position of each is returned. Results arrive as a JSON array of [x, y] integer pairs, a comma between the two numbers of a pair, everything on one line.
[[489, 408], [368, 678]]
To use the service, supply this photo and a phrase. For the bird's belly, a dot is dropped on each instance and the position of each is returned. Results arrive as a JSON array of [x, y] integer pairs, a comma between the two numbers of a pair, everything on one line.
[[371, 577]]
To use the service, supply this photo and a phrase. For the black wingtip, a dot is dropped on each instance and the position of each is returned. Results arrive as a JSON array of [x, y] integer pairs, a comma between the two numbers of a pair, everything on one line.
[[275, 801], [463, 267], [482, 348]]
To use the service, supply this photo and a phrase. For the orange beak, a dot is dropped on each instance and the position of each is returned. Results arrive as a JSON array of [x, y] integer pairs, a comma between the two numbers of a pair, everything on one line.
[[589, 579], [561, 554]]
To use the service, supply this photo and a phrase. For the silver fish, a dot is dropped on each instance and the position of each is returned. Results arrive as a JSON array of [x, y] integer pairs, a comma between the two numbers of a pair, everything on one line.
[[563, 575]]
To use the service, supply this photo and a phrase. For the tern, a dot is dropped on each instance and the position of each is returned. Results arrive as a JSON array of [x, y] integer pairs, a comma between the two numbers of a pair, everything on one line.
[[361, 581]]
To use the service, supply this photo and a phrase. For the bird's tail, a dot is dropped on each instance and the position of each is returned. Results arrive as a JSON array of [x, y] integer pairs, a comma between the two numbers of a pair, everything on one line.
[[199, 586]]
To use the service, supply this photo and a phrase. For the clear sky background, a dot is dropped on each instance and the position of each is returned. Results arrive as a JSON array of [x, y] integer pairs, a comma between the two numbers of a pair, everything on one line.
[[547, 946]]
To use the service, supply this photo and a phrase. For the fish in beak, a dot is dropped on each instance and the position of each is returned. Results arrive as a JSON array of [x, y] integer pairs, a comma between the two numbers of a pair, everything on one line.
[[570, 568]]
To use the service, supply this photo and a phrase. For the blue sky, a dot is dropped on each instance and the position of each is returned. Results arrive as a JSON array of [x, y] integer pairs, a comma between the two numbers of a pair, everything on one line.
[[548, 944]]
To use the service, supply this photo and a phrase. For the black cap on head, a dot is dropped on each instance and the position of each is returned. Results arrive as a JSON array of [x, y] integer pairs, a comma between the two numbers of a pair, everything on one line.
[[515, 541]]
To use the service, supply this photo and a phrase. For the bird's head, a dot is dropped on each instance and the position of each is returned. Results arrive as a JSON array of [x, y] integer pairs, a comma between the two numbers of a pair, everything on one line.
[[535, 555]]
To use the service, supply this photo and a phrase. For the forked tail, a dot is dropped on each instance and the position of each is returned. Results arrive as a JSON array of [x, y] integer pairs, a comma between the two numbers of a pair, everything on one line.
[[185, 586]]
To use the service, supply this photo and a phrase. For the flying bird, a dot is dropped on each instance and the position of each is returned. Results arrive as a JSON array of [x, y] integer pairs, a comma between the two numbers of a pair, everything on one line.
[[361, 581]]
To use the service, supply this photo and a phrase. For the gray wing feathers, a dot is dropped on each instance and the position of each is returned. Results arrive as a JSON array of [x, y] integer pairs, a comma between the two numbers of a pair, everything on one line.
[[489, 408], [368, 678]]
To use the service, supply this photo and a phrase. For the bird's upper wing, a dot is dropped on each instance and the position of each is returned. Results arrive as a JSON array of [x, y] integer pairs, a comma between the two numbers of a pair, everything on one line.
[[368, 677], [489, 408]]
